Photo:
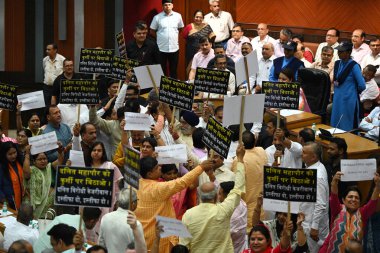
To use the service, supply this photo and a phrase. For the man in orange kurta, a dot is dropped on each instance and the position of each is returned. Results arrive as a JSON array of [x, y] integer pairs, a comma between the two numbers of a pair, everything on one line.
[[154, 198]]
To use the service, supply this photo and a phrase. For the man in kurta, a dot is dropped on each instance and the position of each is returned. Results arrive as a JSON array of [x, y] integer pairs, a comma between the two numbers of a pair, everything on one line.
[[154, 198], [209, 222], [254, 160]]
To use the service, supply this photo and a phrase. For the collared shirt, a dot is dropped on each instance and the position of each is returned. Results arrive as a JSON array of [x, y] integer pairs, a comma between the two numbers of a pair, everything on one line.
[[52, 68], [316, 213], [166, 27], [69, 114], [359, 53], [239, 227], [373, 60], [116, 235], [319, 51], [201, 60], [264, 71], [147, 54], [292, 158], [258, 44], [18, 231], [63, 135], [278, 49], [371, 91], [222, 174], [371, 128], [220, 24], [234, 47], [209, 224]]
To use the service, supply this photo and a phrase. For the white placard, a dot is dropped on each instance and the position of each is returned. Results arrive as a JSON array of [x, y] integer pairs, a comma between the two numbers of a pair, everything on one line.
[[137, 121], [357, 169], [42, 143], [172, 227], [143, 77], [32, 100], [254, 109], [253, 67], [171, 154], [77, 158], [280, 206]]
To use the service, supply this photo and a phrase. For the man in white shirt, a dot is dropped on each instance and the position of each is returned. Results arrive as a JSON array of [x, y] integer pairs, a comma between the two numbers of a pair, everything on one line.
[[373, 58], [284, 152], [120, 228], [20, 229], [263, 38], [316, 223], [220, 21], [202, 58], [62, 239], [234, 44], [166, 26], [371, 124], [332, 37], [285, 36], [53, 67], [360, 48]]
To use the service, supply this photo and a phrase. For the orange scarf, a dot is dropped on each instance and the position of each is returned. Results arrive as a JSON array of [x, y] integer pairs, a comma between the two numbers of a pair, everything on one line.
[[17, 185]]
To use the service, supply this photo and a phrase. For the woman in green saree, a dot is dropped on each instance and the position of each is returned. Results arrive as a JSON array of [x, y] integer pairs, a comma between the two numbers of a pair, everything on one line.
[[37, 180]]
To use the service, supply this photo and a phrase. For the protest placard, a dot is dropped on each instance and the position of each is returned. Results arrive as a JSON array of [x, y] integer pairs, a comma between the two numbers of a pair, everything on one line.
[[76, 186], [96, 61], [176, 93], [42, 143], [254, 105], [31, 100], [357, 169], [148, 78], [8, 98], [217, 137], [137, 121], [76, 158], [171, 154], [131, 63], [79, 92], [172, 227], [281, 95], [121, 44], [241, 69], [119, 68], [299, 185], [275, 205], [212, 80], [132, 167]]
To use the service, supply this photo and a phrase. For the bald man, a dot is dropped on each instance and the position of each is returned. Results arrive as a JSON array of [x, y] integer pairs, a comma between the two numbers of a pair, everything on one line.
[[259, 41], [209, 223], [360, 48]]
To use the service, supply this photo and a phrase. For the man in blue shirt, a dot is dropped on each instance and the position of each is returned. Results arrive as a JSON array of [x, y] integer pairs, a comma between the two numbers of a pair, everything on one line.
[[287, 61]]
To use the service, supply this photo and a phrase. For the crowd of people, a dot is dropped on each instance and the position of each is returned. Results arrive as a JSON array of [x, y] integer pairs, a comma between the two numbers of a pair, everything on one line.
[[219, 201]]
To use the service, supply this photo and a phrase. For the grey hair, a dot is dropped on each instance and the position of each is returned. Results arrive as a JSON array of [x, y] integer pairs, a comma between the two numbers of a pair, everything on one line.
[[207, 196], [124, 198], [212, 1], [270, 44], [287, 32], [317, 150]]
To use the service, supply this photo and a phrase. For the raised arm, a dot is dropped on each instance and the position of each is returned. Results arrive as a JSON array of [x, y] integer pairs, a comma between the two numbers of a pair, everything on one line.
[[26, 166], [18, 117], [138, 234], [61, 156], [257, 210]]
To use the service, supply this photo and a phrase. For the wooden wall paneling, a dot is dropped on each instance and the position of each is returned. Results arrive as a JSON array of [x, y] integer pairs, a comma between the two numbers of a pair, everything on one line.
[[109, 24], [65, 47], [343, 14], [14, 35], [94, 23]]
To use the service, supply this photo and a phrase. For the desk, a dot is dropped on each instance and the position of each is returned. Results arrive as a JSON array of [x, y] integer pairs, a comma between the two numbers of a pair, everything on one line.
[[14, 214], [301, 120]]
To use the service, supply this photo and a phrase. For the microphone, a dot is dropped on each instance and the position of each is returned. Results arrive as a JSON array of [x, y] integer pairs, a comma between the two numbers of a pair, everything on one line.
[[341, 116]]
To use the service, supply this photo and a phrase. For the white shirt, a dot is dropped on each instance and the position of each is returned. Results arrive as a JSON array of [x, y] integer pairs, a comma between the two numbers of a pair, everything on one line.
[[306, 63], [220, 24], [278, 49], [316, 214], [222, 174], [115, 233], [258, 44], [52, 68], [292, 158], [18, 231], [264, 71], [69, 114], [166, 27], [319, 52], [373, 60], [371, 91], [359, 53], [372, 129]]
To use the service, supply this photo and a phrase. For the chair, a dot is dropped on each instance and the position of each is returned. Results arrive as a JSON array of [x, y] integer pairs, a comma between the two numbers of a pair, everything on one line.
[[316, 86]]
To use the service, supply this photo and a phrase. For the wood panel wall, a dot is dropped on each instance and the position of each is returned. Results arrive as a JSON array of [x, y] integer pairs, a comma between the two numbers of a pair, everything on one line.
[[342, 14], [94, 23]]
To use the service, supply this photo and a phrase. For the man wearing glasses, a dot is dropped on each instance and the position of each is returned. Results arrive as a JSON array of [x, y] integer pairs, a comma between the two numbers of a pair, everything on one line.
[[332, 37], [373, 58], [234, 44]]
